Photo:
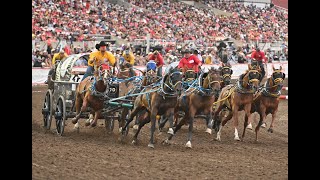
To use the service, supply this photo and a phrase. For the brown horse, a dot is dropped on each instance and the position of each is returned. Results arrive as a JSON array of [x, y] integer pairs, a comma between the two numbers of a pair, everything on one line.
[[238, 97], [149, 79], [90, 93], [157, 101], [266, 100], [196, 100], [125, 73]]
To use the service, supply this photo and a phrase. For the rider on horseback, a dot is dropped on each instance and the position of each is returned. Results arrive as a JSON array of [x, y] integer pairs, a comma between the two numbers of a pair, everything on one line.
[[102, 55]]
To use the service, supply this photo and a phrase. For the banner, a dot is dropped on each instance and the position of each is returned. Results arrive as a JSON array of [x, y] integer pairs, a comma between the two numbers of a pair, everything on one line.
[[39, 75]]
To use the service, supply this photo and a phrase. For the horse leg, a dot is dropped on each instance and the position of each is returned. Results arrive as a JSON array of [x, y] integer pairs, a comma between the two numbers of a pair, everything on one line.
[[247, 109], [140, 116], [153, 115], [141, 124], [162, 121], [122, 120], [216, 121], [176, 115], [96, 117], [236, 122], [90, 119], [78, 106], [132, 115], [169, 115], [191, 119], [209, 122], [224, 122], [272, 121], [181, 123], [258, 126]]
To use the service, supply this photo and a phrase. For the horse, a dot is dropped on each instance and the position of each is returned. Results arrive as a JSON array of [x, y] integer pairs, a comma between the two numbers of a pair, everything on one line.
[[198, 100], [225, 72], [157, 101], [236, 98], [149, 79], [266, 100], [126, 72], [90, 93]]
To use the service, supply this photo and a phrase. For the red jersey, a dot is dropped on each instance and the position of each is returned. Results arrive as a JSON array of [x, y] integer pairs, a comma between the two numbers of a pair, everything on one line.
[[157, 59], [258, 56], [191, 62]]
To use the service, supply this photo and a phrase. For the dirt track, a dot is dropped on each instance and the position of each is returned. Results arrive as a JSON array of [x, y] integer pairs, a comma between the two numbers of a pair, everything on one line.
[[94, 154]]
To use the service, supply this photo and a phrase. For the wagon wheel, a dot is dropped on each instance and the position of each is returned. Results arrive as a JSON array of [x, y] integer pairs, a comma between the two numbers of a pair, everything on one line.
[[60, 115], [47, 110]]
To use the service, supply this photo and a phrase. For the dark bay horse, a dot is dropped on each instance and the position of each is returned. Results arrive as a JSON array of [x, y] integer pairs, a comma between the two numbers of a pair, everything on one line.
[[236, 98], [159, 100], [197, 100], [90, 93], [266, 100], [226, 73]]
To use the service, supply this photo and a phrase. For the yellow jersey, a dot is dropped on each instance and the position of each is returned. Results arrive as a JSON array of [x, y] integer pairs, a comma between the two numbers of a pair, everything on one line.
[[57, 56], [129, 58], [103, 58]]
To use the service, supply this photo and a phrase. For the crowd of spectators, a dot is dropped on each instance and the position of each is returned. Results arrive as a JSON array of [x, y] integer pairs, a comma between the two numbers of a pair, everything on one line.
[[167, 20]]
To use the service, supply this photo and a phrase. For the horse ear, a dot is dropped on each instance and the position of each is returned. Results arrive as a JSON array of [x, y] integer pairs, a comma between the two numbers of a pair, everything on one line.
[[273, 67], [249, 66], [280, 68]]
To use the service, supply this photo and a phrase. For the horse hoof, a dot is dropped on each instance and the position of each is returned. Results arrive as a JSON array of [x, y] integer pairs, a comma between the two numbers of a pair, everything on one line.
[[134, 142], [249, 126], [263, 125], [120, 130], [151, 145], [166, 142], [170, 131], [74, 120], [93, 124], [188, 144], [135, 127], [87, 124], [217, 139], [209, 131], [270, 130], [237, 138]]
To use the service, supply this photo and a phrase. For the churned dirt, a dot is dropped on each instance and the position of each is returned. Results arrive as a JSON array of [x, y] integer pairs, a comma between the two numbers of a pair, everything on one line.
[[94, 154]]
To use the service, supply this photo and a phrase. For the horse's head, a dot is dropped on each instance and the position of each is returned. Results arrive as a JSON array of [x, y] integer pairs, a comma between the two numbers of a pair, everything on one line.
[[189, 74], [213, 80], [101, 72], [226, 73], [174, 80], [252, 76], [277, 76], [150, 76]]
